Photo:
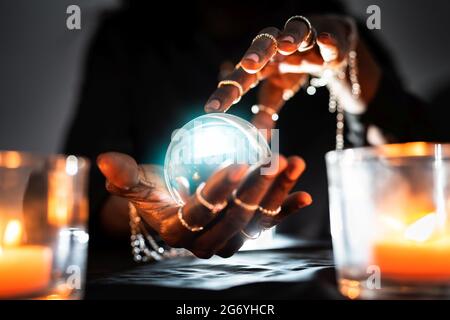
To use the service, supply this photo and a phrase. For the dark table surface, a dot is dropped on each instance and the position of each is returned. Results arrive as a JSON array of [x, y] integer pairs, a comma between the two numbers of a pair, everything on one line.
[[300, 271]]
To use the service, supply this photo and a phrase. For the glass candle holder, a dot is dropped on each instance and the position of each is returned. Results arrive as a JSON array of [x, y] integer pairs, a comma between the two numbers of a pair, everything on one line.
[[43, 216], [389, 213]]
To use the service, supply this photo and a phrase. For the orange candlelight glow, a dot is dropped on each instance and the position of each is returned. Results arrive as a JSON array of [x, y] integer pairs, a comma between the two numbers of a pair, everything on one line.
[[59, 199], [417, 251], [11, 159], [13, 234], [24, 270], [61, 193]]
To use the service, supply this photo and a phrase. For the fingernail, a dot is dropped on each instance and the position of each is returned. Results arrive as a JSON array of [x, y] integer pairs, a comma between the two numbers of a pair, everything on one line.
[[325, 34], [103, 164], [294, 172], [308, 200], [213, 105], [289, 39], [237, 173], [252, 57]]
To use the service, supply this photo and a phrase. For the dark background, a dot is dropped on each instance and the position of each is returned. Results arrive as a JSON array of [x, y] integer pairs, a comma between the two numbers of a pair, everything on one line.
[[41, 61]]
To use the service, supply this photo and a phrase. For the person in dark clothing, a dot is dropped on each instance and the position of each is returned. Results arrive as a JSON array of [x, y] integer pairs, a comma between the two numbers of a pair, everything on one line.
[[141, 84]]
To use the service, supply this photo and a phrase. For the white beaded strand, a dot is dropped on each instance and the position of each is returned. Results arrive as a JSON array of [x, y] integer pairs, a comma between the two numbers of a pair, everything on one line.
[[140, 237]]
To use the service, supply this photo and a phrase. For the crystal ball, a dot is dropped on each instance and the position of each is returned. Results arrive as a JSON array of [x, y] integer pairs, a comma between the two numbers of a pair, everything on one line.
[[207, 144]]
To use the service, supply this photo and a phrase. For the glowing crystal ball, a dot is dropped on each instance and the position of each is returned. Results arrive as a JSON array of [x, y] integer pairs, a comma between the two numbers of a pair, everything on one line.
[[207, 144]]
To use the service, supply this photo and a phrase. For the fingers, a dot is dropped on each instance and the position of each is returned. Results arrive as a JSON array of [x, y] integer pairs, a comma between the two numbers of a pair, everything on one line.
[[293, 203], [232, 246], [270, 96], [328, 47], [310, 62], [255, 187], [125, 178], [120, 169], [236, 218], [262, 49], [273, 94], [177, 231], [272, 200], [336, 36], [294, 33], [226, 95], [217, 190], [333, 45], [284, 183], [277, 194]]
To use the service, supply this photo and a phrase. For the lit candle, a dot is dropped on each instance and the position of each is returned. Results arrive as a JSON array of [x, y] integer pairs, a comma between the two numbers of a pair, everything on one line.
[[24, 270], [416, 252]]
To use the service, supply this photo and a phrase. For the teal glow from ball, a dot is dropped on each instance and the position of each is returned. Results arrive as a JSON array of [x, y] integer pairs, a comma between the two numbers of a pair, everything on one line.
[[209, 143]]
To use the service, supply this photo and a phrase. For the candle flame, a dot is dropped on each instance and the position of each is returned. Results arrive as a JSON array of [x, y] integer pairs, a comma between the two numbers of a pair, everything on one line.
[[422, 229], [13, 233], [392, 223]]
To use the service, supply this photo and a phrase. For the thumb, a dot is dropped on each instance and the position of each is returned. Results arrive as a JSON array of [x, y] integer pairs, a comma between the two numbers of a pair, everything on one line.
[[120, 169]]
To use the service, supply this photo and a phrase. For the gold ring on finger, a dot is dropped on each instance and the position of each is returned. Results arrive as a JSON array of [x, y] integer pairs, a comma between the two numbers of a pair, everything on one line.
[[242, 204], [234, 84], [305, 21], [302, 18], [268, 212], [268, 36], [249, 236], [311, 35], [185, 224], [309, 42], [213, 207]]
